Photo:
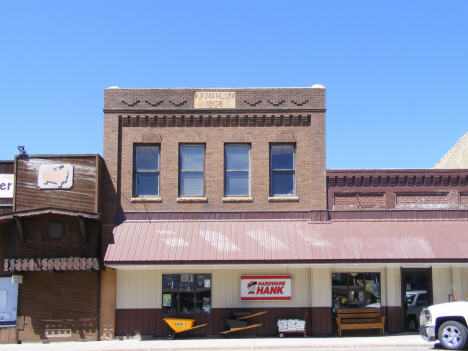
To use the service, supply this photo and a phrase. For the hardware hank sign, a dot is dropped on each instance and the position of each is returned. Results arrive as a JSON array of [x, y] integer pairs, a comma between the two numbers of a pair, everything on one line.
[[266, 288]]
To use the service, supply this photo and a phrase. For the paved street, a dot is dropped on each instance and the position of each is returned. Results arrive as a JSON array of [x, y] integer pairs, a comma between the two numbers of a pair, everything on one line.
[[404, 341]]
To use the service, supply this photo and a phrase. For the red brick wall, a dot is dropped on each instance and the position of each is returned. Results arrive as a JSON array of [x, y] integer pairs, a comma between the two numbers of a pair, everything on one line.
[[401, 189], [309, 179], [463, 199], [261, 117], [421, 200], [358, 201]]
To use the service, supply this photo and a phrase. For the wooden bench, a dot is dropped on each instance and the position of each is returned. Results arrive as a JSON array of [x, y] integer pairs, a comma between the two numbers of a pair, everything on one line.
[[362, 318]]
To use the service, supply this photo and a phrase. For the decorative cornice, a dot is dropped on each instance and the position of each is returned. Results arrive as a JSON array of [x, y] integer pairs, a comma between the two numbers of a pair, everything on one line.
[[49, 264], [215, 120], [249, 99], [383, 180]]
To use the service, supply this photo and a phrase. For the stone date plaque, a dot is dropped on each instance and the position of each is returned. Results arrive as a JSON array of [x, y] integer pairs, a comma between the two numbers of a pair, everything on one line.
[[214, 100]]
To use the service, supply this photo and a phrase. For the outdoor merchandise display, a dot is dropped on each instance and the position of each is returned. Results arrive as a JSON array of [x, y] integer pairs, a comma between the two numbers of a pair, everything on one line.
[[290, 326], [239, 322], [179, 325]]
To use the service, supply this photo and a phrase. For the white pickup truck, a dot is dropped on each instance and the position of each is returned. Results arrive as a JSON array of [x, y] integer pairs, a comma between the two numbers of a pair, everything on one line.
[[446, 322]]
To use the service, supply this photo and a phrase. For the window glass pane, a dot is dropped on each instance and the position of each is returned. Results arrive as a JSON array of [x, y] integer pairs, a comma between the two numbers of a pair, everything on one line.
[[147, 158], [191, 183], [282, 183], [186, 283], [340, 290], [191, 157], [237, 183], [147, 184], [203, 288], [170, 293], [356, 290], [372, 293], [282, 157], [237, 157], [186, 294]]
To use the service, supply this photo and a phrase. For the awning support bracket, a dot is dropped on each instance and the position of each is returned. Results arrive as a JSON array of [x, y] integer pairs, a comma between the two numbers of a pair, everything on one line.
[[83, 229], [20, 227]]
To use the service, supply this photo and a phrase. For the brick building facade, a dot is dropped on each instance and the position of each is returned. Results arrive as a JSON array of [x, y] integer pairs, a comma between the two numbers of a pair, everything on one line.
[[258, 120], [222, 185], [201, 191]]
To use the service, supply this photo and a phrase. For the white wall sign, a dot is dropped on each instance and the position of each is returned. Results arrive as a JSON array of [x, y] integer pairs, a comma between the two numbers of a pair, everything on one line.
[[3, 299], [266, 287], [55, 176], [17, 279], [214, 99], [8, 300], [6, 185]]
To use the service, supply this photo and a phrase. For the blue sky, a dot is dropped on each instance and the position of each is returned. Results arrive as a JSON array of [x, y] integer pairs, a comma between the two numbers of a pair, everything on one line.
[[396, 72]]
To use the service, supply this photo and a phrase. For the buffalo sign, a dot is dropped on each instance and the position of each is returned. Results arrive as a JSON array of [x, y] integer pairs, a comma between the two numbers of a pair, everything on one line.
[[265, 287], [55, 176]]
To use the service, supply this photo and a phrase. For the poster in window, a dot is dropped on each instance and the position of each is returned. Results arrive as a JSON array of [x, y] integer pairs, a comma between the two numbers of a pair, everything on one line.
[[186, 278], [200, 281], [207, 283], [361, 297], [167, 300]]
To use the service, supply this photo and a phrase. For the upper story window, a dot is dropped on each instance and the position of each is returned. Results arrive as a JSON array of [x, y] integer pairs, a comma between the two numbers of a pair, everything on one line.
[[237, 170], [192, 170], [282, 170], [146, 170]]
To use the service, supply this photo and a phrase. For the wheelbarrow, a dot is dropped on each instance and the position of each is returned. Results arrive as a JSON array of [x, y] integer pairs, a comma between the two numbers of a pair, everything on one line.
[[240, 322], [179, 325]]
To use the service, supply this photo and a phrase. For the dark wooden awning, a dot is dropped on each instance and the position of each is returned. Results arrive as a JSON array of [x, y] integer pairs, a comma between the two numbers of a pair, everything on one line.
[[18, 217], [51, 264], [49, 210]]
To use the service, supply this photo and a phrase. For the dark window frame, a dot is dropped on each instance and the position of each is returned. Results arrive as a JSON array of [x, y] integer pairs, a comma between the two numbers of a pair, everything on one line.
[[136, 172], [248, 170], [273, 171]]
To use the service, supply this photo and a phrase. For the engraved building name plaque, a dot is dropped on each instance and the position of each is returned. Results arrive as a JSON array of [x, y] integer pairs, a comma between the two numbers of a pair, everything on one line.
[[216, 99]]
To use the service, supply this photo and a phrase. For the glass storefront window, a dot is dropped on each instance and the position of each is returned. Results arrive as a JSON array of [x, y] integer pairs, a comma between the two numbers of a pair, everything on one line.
[[355, 290], [186, 294]]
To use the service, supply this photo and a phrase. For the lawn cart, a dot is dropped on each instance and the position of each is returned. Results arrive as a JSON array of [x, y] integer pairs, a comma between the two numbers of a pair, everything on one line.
[[179, 325], [240, 322]]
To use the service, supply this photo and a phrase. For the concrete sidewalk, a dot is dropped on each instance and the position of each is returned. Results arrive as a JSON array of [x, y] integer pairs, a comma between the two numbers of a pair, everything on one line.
[[404, 341]]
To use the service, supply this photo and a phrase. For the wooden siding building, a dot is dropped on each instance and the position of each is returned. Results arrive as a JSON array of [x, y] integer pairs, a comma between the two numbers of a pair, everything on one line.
[[51, 240]]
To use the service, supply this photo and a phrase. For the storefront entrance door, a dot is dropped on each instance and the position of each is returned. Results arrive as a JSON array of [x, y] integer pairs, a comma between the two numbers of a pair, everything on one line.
[[416, 294]]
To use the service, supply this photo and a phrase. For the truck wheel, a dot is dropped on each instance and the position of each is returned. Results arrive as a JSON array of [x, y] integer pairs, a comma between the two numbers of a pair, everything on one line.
[[412, 323], [452, 335]]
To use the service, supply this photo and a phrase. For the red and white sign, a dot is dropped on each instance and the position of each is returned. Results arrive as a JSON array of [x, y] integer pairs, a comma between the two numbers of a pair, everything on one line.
[[265, 287]]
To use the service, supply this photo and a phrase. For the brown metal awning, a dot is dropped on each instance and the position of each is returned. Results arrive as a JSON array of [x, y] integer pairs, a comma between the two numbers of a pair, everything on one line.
[[286, 241], [49, 264]]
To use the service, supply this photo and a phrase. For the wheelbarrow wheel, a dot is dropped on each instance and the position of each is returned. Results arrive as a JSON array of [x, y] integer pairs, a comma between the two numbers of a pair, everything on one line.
[[225, 335], [281, 335], [170, 335]]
